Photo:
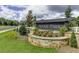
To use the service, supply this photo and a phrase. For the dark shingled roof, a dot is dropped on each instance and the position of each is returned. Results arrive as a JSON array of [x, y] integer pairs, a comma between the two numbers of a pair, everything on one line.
[[55, 20]]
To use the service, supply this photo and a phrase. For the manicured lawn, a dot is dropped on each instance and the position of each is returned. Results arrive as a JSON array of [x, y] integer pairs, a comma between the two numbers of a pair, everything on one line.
[[12, 42]]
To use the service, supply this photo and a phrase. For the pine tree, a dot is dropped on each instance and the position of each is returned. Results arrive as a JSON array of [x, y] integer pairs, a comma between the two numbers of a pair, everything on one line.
[[73, 41], [68, 12], [29, 18]]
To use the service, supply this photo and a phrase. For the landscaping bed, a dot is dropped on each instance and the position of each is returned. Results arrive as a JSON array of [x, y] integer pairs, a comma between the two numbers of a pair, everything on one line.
[[46, 33], [47, 39]]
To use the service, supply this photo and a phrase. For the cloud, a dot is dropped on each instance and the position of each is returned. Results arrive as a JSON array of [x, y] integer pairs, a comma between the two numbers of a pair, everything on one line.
[[15, 7], [56, 8], [19, 12], [52, 11], [1, 9], [6, 13], [38, 11], [61, 8], [75, 13], [57, 11], [42, 12], [9, 14]]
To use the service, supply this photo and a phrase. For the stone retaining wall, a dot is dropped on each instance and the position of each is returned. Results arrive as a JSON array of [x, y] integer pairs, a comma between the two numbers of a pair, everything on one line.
[[48, 42], [52, 42]]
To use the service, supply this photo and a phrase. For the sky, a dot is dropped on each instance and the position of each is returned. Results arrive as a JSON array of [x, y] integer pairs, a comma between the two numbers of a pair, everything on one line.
[[19, 12]]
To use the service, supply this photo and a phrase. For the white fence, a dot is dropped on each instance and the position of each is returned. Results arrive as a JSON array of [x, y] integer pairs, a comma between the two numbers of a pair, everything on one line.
[[75, 29]]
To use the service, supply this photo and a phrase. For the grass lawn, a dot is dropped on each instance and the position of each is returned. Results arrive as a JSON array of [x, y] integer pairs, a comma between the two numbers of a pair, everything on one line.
[[12, 42]]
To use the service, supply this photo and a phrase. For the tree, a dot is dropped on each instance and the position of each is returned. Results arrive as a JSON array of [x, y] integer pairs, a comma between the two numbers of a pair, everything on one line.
[[77, 20], [0, 22], [23, 22], [68, 12], [73, 41], [73, 23], [15, 23], [23, 30], [4, 21], [29, 18]]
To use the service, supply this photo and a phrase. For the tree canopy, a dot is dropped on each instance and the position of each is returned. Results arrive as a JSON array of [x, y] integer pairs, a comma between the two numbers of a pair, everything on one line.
[[31, 20], [68, 12], [4, 21]]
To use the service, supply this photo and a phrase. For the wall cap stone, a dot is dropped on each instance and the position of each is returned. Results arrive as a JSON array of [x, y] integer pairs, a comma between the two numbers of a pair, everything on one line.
[[50, 38]]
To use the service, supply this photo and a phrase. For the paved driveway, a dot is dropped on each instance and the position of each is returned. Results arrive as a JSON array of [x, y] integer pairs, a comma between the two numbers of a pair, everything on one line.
[[6, 28]]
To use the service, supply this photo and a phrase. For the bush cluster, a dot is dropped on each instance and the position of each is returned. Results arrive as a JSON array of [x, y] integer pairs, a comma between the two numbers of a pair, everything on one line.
[[23, 30], [45, 33]]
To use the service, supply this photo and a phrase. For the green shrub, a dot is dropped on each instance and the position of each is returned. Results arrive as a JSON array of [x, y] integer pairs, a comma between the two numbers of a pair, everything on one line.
[[23, 30], [62, 31], [73, 41]]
